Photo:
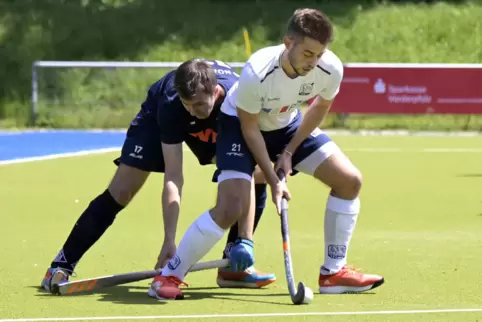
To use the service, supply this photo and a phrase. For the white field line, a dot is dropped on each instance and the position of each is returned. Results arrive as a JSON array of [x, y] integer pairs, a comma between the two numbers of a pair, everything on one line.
[[425, 150], [117, 149], [59, 155], [253, 315], [333, 132]]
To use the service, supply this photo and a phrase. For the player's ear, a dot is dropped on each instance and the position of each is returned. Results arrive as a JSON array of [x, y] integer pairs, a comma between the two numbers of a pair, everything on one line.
[[218, 90], [288, 41], [218, 93]]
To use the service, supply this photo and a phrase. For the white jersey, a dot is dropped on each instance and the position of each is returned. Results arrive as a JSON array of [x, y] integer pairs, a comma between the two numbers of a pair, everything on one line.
[[264, 87]]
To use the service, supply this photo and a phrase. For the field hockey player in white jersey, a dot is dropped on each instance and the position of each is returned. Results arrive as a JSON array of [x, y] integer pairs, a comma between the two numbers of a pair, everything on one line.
[[260, 123]]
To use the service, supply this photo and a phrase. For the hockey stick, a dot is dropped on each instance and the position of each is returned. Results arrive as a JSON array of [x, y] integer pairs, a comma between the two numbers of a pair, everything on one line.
[[90, 284], [302, 295]]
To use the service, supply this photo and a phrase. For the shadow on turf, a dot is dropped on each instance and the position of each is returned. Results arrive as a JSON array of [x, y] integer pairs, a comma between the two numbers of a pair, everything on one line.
[[470, 175], [138, 295]]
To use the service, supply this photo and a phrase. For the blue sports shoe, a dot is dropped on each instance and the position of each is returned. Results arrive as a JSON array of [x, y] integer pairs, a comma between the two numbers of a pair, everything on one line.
[[249, 278], [54, 276]]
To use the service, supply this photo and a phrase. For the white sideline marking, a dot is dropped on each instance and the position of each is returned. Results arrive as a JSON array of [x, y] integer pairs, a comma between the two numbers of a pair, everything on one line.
[[210, 316], [469, 150], [59, 155], [334, 132], [116, 149], [60, 131], [371, 150], [401, 133], [426, 150]]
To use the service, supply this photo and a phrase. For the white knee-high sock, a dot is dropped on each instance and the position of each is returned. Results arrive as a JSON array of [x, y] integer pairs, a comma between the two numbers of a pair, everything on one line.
[[340, 220], [198, 240]]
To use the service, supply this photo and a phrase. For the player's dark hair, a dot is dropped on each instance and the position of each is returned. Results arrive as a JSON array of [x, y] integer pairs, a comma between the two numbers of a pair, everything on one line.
[[311, 23], [193, 75]]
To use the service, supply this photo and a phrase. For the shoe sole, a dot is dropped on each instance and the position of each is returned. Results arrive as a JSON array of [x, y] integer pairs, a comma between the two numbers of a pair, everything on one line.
[[240, 284], [350, 289], [152, 293]]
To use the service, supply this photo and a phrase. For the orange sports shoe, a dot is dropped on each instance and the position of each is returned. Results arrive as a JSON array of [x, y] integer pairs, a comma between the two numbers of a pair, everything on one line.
[[348, 280], [166, 288]]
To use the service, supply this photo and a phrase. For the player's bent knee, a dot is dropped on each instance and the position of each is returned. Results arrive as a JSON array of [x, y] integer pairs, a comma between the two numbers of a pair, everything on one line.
[[340, 175], [126, 183], [351, 186], [122, 195], [234, 191], [348, 183]]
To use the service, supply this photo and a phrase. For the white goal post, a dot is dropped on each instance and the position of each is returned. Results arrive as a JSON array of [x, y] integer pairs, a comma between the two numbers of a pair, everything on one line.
[[94, 64]]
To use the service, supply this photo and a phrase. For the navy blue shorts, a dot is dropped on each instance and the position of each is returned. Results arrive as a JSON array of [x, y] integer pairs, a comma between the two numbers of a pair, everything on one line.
[[142, 148], [232, 153]]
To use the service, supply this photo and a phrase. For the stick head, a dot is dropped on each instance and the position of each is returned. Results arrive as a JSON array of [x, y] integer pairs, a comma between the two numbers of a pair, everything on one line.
[[304, 295]]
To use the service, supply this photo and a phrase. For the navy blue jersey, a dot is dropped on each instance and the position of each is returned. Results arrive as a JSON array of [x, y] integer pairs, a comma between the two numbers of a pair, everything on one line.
[[175, 123]]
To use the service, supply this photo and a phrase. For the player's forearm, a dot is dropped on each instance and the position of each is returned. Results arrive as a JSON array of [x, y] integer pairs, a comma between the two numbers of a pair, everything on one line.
[[256, 145], [171, 204], [311, 120]]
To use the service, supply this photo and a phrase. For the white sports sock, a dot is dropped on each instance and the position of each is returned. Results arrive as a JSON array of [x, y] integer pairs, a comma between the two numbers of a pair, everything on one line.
[[198, 240], [340, 221]]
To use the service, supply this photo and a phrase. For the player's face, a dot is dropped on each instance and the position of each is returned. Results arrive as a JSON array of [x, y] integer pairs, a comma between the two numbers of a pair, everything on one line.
[[303, 54], [200, 106]]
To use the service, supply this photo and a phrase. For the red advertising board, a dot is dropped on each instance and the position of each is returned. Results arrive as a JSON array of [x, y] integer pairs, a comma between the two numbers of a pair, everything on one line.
[[410, 89]]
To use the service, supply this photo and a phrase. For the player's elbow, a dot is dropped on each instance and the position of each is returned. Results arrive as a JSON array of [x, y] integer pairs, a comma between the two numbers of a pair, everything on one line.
[[175, 178], [322, 105]]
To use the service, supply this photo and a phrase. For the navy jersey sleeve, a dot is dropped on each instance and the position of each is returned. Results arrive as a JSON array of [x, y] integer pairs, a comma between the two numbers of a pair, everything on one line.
[[225, 74]]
